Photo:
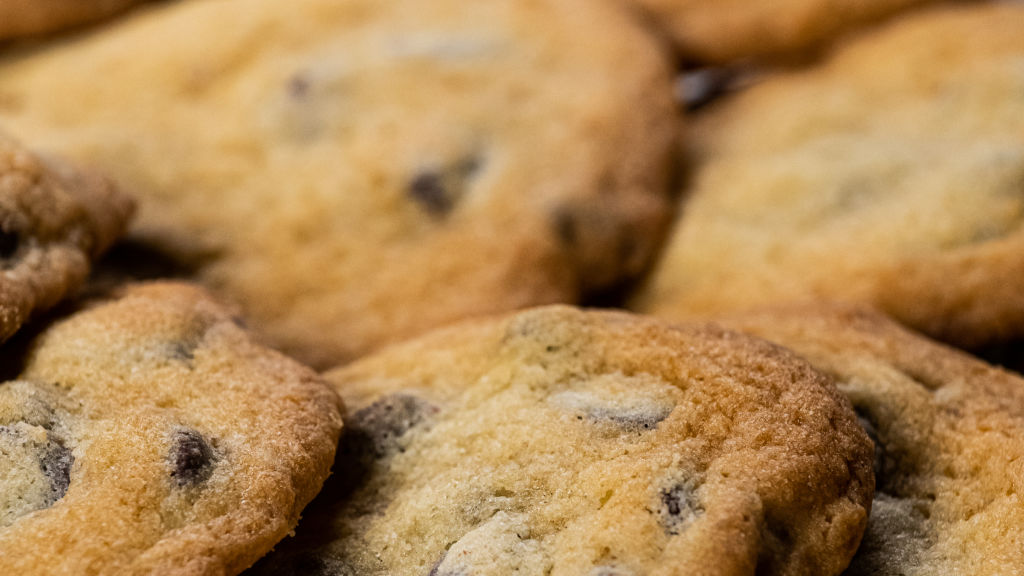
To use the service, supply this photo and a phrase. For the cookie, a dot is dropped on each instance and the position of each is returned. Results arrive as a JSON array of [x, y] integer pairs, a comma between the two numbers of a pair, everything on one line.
[[379, 167], [149, 434], [949, 434], [889, 175], [724, 31], [23, 18], [560, 442], [54, 220]]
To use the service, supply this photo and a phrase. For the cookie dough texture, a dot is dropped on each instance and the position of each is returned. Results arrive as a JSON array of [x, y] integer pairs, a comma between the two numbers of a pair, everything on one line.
[[150, 435], [565, 442], [891, 174], [54, 220], [721, 31], [22, 18], [949, 433], [354, 172]]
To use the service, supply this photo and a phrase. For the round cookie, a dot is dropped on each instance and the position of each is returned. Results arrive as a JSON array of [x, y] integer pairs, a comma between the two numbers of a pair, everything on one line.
[[562, 442], [54, 220], [890, 175], [380, 167], [150, 435], [949, 433], [722, 31], [21, 18]]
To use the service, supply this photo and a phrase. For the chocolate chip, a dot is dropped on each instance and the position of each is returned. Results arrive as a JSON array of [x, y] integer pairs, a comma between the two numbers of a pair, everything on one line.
[[565, 226], [698, 88], [56, 466], [376, 430], [438, 191], [299, 85], [185, 346], [679, 507], [9, 243], [633, 415], [191, 458], [428, 188]]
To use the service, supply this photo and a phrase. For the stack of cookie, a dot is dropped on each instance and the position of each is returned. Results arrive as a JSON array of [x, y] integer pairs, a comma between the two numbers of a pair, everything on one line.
[[302, 288]]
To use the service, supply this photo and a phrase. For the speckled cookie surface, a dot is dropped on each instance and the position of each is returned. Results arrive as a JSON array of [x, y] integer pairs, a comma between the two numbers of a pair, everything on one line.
[[720, 31], [560, 442], [949, 432], [150, 435], [21, 18], [891, 174], [380, 167], [54, 220]]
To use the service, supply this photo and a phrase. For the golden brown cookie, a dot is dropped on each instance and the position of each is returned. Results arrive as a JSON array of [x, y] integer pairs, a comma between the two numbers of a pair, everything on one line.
[[892, 174], [21, 18], [561, 442], [356, 172], [949, 434], [54, 220], [149, 434]]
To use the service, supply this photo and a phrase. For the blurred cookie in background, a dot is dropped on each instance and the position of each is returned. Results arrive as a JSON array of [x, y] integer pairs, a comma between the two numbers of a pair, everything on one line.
[[891, 174], [949, 441], [356, 172], [55, 220]]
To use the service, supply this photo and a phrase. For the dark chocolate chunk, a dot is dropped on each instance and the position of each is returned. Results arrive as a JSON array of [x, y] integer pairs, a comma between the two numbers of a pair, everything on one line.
[[9, 243], [191, 338], [438, 191], [566, 227], [376, 430], [191, 458], [299, 85], [428, 188], [56, 466], [679, 507], [698, 88]]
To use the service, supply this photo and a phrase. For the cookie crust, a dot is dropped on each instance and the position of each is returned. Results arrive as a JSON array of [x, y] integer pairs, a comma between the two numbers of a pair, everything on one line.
[[889, 175], [182, 446], [564, 442], [949, 431]]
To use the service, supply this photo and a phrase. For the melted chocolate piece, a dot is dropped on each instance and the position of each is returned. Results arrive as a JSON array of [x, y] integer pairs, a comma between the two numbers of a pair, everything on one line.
[[191, 458], [56, 465], [438, 191], [375, 431], [679, 506], [9, 243]]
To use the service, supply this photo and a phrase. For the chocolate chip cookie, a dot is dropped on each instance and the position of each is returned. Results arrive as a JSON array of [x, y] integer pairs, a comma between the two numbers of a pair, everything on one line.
[[723, 31], [356, 172], [564, 442], [949, 441], [150, 435], [21, 18], [54, 220], [890, 174]]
